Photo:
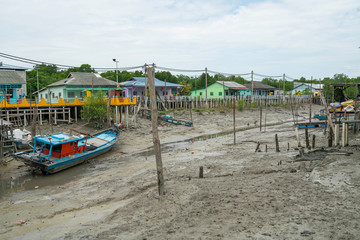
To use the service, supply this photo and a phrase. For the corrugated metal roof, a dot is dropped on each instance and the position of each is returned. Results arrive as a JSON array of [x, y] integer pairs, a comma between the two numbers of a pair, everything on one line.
[[10, 77], [259, 85], [140, 82], [13, 68], [84, 79], [232, 84]]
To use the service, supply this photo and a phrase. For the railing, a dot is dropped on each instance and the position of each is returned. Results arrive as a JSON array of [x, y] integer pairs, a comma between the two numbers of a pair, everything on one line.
[[26, 103]]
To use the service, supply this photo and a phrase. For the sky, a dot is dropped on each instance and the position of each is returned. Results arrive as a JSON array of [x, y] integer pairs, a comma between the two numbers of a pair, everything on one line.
[[301, 38]]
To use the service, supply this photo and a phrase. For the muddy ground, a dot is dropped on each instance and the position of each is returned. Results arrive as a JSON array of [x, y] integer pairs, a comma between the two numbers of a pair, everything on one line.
[[243, 195]]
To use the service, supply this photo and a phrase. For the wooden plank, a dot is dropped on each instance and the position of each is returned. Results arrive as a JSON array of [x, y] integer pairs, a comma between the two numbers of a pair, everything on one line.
[[327, 112]]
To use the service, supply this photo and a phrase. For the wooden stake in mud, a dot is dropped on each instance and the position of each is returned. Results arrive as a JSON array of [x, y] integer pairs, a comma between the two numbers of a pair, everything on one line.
[[108, 109], [330, 137], [337, 134], [201, 172], [313, 141], [307, 141], [266, 148], [234, 120], [191, 115], [260, 118], [257, 147], [277, 143], [154, 124], [297, 136]]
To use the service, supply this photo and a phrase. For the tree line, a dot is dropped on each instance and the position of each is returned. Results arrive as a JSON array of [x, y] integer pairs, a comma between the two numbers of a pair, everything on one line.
[[48, 74]]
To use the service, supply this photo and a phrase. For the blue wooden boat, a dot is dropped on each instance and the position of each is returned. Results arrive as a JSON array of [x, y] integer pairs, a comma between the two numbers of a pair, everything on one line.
[[53, 153]]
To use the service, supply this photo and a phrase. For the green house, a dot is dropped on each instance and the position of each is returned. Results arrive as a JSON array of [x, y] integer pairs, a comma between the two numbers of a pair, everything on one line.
[[74, 86], [220, 89]]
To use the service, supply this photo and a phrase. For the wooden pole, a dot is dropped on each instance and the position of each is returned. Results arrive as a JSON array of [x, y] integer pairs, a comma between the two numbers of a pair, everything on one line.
[[234, 120], [108, 110], [297, 136], [337, 134], [201, 172], [330, 137], [76, 114], [277, 143], [191, 115], [55, 121], [311, 95], [40, 117], [307, 141], [127, 115], [260, 118], [313, 141], [154, 124]]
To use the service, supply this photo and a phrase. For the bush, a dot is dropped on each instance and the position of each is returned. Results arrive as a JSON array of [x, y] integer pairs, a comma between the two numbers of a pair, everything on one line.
[[241, 104]]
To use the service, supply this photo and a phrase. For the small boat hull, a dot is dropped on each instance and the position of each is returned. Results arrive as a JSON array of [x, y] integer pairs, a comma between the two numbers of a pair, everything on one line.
[[31, 159]]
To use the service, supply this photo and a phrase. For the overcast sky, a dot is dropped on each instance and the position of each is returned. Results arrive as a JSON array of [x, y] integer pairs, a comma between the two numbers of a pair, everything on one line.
[[307, 38]]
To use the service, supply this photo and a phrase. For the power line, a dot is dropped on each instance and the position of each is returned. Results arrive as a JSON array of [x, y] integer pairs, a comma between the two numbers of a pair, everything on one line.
[[120, 68], [31, 61], [59, 66], [261, 75], [290, 78], [65, 67], [178, 70], [229, 74]]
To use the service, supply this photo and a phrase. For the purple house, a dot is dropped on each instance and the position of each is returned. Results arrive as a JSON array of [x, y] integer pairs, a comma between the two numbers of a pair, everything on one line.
[[135, 87]]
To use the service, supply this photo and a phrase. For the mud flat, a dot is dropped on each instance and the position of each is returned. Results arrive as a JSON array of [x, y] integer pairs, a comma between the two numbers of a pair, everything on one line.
[[243, 195]]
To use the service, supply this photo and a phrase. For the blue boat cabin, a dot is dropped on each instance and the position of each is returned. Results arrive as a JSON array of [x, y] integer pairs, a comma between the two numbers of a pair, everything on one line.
[[60, 145]]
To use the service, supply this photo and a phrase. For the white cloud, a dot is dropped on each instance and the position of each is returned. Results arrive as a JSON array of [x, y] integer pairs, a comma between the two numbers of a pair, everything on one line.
[[300, 38]]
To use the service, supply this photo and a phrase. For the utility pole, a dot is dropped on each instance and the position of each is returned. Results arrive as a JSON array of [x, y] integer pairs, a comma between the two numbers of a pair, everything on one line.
[[284, 85], [252, 85], [154, 125], [234, 120], [37, 80], [311, 93], [117, 79], [224, 89], [206, 85]]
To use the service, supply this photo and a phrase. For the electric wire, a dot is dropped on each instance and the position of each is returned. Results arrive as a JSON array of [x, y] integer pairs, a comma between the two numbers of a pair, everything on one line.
[[228, 74], [65, 67], [261, 75], [178, 70]]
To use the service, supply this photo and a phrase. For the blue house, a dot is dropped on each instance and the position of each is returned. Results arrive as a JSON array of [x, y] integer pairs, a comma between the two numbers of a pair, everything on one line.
[[12, 85], [306, 88], [135, 87]]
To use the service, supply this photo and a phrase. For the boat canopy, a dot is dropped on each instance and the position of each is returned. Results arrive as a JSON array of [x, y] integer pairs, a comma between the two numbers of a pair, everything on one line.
[[57, 139]]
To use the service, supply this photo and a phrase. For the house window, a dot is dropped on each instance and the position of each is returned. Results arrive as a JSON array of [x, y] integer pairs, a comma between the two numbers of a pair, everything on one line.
[[200, 93], [40, 95], [71, 94], [211, 93], [220, 93], [53, 95], [59, 94], [135, 92], [46, 95]]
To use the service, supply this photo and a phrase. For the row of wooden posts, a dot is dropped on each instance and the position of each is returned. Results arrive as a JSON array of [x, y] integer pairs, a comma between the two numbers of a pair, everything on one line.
[[188, 102], [22, 116]]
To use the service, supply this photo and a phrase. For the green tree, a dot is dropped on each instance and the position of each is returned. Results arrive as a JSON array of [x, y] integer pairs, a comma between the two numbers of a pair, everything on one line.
[[95, 108], [186, 90], [82, 68]]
